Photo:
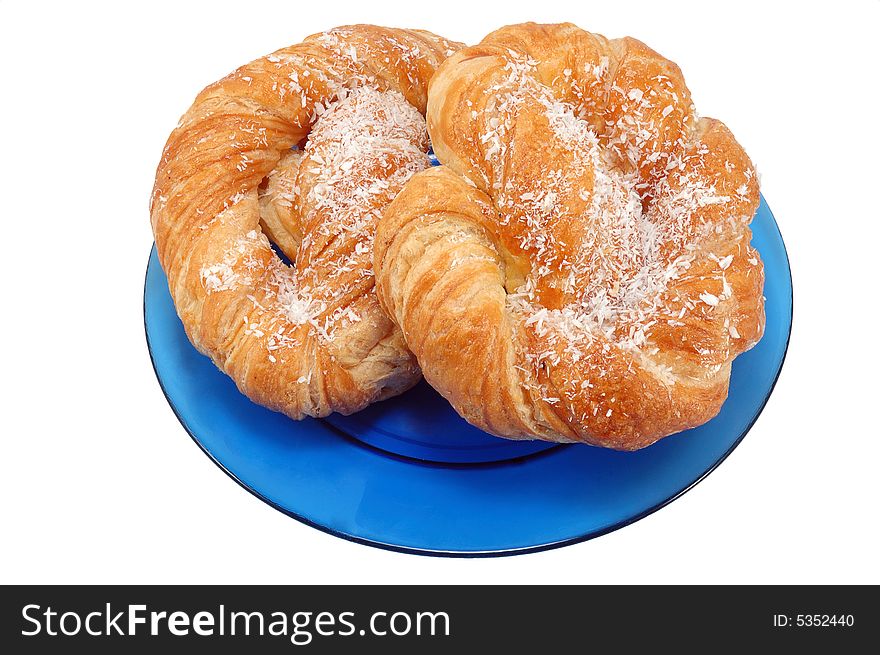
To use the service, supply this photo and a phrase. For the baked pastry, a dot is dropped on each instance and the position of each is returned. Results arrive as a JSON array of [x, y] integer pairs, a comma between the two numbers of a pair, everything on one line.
[[579, 270], [305, 146]]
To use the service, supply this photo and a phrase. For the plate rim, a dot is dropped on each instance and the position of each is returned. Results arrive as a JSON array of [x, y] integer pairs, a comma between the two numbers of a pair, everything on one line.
[[480, 554]]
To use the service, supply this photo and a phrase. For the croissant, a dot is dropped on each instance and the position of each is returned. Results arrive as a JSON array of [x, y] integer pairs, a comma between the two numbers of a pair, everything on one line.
[[304, 147], [579, 269]]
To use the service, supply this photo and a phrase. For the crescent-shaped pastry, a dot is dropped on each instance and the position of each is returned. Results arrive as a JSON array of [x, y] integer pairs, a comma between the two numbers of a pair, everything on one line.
[[579, 270], [305, 147]]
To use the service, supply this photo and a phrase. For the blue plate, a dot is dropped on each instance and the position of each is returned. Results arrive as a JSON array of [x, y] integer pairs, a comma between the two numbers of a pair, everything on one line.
[[408, 474]]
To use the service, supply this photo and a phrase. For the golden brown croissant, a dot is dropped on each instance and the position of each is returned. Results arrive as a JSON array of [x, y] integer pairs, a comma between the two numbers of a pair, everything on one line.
[[580, 268], [307, 339]]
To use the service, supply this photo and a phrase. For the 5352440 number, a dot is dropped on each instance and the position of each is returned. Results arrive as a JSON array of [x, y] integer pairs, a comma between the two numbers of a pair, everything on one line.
[[814, 620]]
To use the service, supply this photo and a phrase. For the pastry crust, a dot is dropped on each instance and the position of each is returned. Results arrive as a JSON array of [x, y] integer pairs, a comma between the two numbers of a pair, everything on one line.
[[579, 270], [307, 339]]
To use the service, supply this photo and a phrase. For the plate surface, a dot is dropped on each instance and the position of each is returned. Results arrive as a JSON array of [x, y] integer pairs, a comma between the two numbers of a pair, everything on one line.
[[410, 475]]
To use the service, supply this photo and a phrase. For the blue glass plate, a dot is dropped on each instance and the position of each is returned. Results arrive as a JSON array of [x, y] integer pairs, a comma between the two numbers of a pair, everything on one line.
[[408, 474]]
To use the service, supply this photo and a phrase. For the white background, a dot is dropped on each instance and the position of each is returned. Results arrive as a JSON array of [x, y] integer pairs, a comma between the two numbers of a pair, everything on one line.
[[99, 482]]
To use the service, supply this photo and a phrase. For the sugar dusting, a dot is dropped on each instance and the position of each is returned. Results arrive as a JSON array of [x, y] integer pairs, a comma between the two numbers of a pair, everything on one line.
[[361, 150], [641, 233]]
